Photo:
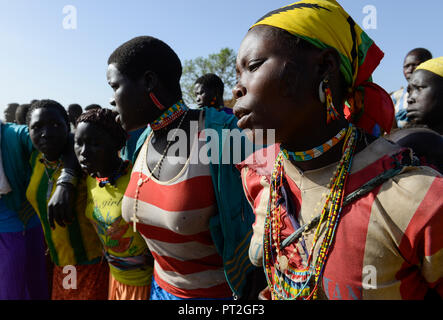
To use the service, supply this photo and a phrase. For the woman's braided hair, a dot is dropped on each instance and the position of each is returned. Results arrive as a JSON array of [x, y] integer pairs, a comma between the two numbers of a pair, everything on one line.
[[105, 118]]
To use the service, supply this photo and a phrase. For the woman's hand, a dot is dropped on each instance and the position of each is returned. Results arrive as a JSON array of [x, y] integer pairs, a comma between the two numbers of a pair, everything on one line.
[[61, 205]]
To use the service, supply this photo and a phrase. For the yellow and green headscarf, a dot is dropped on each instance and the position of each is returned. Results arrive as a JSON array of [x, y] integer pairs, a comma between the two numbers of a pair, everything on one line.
[[433, 65], [324, 23]]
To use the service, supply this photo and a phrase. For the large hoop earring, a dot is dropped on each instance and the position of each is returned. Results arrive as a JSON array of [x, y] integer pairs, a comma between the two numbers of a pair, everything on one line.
[[331, 113], [321, 92], [156, 102]]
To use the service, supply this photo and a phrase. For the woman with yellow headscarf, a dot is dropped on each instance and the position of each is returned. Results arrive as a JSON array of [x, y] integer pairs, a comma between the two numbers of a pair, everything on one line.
[[340, 214], [425, 101]]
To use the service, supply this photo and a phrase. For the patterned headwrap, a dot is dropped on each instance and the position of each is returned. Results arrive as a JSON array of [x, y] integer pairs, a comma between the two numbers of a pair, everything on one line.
[[324, 23], [434, 65]]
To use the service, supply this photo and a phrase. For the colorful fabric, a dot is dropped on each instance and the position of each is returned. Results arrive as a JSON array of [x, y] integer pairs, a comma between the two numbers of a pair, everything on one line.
[[175, 224], [169, 115], [231, 228], [74, 244], [125, 251], [158, 293], [314, 152], [400, 100], [324, 23], [396, 224], [23, 265], [81, 282], [433, 65], [121, 291], [16, 148]]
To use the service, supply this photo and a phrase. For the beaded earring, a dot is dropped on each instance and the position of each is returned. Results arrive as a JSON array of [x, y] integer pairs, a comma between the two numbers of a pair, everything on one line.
[[213, 101], [325, 95]]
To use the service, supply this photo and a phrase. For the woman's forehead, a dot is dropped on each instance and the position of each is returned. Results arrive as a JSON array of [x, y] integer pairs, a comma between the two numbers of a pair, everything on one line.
[[45, 113], [422, 77], [259, 38]]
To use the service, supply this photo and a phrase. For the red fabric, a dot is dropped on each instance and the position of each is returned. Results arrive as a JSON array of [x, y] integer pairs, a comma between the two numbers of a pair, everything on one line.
[[370, 103], [184, 193], [215, 292], [165, 235], [211, 262], [92, 283]]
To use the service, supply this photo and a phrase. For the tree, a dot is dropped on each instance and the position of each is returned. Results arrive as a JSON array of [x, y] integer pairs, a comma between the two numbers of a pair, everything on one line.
[[222, 64]]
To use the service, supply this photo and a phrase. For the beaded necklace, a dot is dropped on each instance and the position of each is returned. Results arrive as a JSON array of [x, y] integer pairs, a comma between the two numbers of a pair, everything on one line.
[[281, 277], [141, 181], [53, 166], [315, 152], [169, 116], [113, 178]]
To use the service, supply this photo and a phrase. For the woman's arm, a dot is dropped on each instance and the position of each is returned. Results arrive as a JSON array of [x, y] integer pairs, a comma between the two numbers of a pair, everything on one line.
[[61, 204]]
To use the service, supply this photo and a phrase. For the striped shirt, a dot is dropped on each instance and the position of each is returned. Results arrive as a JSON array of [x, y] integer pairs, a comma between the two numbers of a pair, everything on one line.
[[77, 243], [388, 244], [174, 221]]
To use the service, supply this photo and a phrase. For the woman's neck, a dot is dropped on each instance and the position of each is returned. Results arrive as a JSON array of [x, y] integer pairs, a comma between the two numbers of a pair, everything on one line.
[[109, 168], [334, 154], [51, 157]]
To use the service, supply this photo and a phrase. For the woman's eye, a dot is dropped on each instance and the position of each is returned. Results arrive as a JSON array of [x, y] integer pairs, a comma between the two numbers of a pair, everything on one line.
[[254, 65]]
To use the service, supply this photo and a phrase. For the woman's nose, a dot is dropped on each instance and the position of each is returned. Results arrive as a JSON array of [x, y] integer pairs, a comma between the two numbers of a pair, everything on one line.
[[238, 91]]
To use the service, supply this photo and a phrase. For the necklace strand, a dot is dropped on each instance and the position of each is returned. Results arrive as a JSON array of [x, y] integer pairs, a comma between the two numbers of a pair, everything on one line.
[[314, 152], [141, 181], [50, 165], [277, 278]]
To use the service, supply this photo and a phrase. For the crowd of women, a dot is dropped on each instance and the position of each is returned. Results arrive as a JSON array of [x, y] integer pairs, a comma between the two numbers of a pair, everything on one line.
[[341, 210]]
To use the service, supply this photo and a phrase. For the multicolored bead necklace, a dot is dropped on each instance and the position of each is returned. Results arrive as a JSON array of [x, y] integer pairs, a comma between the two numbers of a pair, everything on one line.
[[314, 152], [169, 116], [284, 281]]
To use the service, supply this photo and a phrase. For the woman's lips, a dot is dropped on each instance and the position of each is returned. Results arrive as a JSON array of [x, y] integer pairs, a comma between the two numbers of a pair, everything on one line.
[[242, 123], [243, 116], [84, 163], [412, 113]]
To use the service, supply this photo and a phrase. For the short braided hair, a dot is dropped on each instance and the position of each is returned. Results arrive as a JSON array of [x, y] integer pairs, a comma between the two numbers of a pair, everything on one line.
[[138, 55], [105, 119]]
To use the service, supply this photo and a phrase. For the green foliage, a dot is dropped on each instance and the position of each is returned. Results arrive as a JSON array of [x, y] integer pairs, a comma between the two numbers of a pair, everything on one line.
[[222, 64]]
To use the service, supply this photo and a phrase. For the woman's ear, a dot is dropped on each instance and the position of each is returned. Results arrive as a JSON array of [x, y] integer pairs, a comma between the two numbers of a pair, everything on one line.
[[328, 63], [150, 79]]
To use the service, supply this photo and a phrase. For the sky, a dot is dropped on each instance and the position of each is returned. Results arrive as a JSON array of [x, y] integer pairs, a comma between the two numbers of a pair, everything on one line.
[[47, 55]]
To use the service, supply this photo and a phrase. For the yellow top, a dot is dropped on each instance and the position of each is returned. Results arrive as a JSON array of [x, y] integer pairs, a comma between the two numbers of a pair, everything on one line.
[[74, 244], [125, 247]]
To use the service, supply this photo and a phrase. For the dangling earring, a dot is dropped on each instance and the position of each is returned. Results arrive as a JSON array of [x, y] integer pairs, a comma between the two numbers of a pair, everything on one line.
[[156, 102], [213, 101], [326, 94]]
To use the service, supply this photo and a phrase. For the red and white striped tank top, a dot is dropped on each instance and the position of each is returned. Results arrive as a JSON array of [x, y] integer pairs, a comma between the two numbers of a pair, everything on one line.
[[174, 221]]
